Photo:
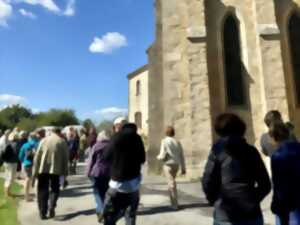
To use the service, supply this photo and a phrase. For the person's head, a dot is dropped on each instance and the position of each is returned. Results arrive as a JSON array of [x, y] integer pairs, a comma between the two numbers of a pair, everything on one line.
[[33, 136], [229, 124], [170, 131], [104, 135], [279, 132], [23, 135], [13, 137], [119, 123], [273, 116], [57, 130], [41, 133], [129, 127], [82, 131]]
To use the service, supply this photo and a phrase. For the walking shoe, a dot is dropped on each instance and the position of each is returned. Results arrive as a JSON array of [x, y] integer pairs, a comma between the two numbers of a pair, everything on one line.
[[43, 217], [51, 213], [100, 217]]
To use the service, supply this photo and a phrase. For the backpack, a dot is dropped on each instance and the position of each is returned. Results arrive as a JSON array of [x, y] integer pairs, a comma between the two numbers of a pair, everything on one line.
[[8, 154]]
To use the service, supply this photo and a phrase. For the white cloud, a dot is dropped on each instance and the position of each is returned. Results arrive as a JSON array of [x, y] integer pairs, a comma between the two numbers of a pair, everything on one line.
[[6, 12], [109, 113], [108, 43], [70, 8], [26, 13], [48, 4], [7, 99]]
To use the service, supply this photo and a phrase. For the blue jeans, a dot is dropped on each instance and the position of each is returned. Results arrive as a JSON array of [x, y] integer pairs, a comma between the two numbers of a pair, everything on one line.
[[258, 221], [293, 220], [100, 187]]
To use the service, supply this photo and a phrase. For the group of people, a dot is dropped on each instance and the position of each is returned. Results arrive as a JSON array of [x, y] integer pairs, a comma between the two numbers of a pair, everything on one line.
[[45, 158], [236, 180], [17, 149]]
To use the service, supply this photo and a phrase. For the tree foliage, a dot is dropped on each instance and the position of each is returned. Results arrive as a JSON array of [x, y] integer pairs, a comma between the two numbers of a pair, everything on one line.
[[22, 117]]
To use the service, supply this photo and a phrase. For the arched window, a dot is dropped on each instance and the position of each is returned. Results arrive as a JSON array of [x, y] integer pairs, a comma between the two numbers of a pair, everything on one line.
[[138, 119], [294, 33], [138, 88], [233, 65]]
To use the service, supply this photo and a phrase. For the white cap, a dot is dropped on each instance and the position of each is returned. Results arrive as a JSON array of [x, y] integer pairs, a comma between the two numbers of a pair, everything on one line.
[[120, 120]]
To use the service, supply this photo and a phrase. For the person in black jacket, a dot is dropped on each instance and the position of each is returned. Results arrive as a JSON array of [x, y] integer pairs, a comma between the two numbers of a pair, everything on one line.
[[235, 180], [126, 153]]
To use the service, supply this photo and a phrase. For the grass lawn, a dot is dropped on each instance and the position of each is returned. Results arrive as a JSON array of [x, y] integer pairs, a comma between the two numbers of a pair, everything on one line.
[[8, 207]]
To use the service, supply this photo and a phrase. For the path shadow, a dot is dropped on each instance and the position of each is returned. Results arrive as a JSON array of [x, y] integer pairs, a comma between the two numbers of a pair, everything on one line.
[[71, 216], [74, 192], [168, 209]]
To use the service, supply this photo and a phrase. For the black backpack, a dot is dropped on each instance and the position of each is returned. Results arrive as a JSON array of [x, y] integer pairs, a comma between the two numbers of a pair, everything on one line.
[[8, 155]]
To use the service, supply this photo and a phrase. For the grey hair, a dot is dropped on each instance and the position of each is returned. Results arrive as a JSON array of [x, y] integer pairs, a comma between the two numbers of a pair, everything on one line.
[[104, 135]]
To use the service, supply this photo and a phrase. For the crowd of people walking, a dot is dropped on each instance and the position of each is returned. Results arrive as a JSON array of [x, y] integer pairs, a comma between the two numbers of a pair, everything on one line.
[[235, 180]]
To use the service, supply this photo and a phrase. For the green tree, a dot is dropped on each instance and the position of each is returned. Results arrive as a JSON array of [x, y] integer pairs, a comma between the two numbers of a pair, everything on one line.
[[28, 124], [12, 115], [57, 117]]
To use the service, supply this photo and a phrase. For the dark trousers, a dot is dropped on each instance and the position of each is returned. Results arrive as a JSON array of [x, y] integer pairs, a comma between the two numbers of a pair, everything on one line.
[[118, 205], [48, 192]]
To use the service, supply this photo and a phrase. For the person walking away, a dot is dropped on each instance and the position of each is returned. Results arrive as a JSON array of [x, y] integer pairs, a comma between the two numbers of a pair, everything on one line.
[[235, 180], [73, 143], [92, 137], [98, 170], [83, 145], [126, 153], [286, 177], [26, 156], [291, 128], [50, 163], [22, 139], [171, 153], [10, 158], [267, 146]]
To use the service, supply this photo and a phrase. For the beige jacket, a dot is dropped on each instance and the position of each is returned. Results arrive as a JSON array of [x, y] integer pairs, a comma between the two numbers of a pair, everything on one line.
[[52, 156], [171, 152]]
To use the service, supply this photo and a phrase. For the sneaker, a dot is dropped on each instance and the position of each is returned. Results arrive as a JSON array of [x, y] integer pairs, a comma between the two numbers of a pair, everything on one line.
[[43, 217], [100, 217], [51, 213]]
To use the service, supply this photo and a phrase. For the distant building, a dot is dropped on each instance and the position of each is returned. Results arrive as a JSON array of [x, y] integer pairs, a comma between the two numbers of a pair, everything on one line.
[[139, 98]]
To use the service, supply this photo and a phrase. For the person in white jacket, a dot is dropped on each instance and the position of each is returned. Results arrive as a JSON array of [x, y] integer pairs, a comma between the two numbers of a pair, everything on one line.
[[171, 153]]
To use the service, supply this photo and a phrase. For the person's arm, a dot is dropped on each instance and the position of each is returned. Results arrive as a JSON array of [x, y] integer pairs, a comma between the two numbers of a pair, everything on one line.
[[22, 153], [162, 153], [279, 206], [65, 161], [109, 151], [262, 177], [182, 159], [37, 159], [211, 179], [141, 147]]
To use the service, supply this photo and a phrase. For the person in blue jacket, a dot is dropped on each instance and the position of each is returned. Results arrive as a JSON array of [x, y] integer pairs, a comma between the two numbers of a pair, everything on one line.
[[286, 176], [26, 157]]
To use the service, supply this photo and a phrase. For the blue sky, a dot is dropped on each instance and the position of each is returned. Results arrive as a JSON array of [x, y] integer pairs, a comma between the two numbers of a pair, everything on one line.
[[72, 53]]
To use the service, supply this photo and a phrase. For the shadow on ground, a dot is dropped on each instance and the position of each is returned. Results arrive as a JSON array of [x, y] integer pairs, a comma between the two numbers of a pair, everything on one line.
[[76, 214], [168, 209]]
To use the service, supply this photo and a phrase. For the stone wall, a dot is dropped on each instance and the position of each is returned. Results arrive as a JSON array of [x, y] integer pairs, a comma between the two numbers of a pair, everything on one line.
[[186, 69]]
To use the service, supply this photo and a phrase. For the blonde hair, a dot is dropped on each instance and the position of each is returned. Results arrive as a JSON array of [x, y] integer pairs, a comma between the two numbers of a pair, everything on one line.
[[104, 135]]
